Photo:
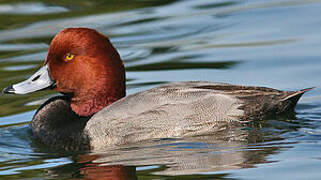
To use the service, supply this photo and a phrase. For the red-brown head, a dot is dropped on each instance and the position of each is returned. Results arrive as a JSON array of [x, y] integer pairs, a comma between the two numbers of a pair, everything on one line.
[[85, 65]]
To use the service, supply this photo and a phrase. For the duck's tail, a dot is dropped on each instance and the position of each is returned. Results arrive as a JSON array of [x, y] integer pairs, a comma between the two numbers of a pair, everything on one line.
[[294, 97]]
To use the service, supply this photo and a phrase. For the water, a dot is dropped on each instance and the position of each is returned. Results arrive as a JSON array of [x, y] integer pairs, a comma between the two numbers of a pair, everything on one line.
[[266, 43]]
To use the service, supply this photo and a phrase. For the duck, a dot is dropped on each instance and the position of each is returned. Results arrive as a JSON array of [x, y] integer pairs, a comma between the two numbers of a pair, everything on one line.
[[93, 111]]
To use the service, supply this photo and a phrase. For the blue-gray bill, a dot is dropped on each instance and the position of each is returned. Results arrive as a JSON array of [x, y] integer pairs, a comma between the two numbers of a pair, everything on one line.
[[38, 81]]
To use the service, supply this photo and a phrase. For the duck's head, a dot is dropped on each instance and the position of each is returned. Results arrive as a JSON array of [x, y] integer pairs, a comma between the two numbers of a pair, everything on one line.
[[84, 65]]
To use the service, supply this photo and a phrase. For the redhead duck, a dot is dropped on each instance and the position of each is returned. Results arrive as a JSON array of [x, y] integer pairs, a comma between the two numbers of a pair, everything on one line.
[[94, 113]]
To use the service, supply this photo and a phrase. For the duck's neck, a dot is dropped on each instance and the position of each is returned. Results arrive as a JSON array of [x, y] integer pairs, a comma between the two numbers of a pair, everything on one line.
[[88, 106], [90, 102]]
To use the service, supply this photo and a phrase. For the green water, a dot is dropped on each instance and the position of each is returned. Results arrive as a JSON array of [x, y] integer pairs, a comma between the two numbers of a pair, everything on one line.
[[266, 43]]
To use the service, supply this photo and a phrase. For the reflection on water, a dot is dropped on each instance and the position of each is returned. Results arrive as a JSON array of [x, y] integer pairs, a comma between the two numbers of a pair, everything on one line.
[[268, 43]]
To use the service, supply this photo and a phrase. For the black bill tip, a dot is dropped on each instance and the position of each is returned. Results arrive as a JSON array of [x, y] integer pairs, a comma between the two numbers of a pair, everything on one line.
[[8, 90]]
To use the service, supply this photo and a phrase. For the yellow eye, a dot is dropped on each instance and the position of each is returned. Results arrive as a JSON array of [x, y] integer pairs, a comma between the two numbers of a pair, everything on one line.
[[69, 57]]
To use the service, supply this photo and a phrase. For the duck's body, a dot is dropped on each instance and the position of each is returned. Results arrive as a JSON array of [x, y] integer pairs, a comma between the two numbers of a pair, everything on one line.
[[174, 110], [94, 113]]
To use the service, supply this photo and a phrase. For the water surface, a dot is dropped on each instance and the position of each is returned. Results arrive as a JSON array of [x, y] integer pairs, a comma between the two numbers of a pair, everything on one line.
[[266, 43]]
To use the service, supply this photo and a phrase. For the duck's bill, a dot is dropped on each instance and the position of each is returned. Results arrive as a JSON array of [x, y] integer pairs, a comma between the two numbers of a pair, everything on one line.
[[38, 81]]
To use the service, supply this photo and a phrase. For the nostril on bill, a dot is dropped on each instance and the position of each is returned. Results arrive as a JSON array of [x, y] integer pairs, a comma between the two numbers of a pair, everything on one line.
[[35, 78]]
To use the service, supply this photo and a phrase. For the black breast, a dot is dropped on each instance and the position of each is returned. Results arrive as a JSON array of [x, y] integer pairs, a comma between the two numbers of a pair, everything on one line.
[[56, 125]]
